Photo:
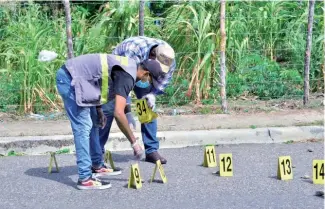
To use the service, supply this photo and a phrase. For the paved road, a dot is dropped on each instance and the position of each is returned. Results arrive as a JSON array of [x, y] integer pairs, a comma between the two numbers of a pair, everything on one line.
[[25, 183]]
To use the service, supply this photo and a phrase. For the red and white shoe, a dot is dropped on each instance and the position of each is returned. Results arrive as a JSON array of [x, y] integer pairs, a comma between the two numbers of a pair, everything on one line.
[[93, 183], [105, 171]]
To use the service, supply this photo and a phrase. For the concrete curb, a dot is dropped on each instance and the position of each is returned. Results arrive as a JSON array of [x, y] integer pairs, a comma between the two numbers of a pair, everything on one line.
[[169, 139]]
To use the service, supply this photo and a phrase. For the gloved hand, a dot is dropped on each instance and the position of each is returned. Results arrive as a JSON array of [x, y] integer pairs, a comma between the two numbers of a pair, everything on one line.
[[137, 150], [151, 100], [101, 117], [131, 120]]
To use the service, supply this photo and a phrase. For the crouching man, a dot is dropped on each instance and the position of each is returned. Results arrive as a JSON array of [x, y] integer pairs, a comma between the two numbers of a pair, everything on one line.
[[141, 48], [85, 83]]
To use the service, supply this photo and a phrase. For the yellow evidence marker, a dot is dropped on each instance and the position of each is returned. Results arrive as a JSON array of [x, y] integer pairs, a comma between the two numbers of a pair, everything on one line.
[[135, 178], [108, 157], [285, 168], [209, 157], [318, 171], [161, 171], [225, 164], [144, 113], [53, 158]]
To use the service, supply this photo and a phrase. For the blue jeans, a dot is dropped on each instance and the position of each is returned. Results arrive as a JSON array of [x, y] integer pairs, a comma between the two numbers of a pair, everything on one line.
[[82, 120], [148, 130]]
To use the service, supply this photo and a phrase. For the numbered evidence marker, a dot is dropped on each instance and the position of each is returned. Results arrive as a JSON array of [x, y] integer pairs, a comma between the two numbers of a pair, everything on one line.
[[209, 157], [318, 171], [135, 178], [145, 114], [53, 158], [225, 164], [161, 171], [285, 168], [108, 157]]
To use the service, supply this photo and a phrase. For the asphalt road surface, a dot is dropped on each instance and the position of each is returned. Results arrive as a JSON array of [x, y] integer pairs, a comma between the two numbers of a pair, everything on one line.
[[26, 183]]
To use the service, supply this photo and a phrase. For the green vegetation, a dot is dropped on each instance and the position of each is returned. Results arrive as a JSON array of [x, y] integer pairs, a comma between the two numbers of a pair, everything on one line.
[[289, 142], [13, 153], [265, 47], [63, 151], [314, 123]]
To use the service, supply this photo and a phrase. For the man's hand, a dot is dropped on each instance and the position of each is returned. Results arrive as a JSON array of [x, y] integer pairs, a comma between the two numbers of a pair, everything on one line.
[[137, 151], [151, 100], [101, 117]]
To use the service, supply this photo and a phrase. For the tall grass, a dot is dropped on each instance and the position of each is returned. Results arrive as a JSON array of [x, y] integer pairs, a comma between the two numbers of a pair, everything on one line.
[[28, 32], [265, 48], [194, 26]]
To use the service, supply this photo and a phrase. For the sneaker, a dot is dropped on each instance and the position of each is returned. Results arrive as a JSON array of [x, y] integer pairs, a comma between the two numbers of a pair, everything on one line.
[[105, 171], [93, 183]]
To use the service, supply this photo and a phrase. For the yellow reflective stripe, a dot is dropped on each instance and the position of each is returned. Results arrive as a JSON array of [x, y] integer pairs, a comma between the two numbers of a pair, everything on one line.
[[123, 60], [104, 90]]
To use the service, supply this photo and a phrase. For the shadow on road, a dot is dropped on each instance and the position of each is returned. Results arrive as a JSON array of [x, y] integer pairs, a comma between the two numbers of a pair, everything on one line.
[[63, 176], [120, 158]]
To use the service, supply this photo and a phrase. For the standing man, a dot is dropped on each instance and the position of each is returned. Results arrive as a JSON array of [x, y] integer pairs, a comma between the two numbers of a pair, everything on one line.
[[85, 83], [142, 48]]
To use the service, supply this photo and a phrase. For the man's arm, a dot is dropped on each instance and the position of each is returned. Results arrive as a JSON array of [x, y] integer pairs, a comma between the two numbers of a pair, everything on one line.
[[123, 84], [122, 122]]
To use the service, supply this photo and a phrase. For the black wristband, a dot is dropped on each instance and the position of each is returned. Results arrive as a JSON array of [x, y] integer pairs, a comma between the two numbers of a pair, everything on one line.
[[127, 108]]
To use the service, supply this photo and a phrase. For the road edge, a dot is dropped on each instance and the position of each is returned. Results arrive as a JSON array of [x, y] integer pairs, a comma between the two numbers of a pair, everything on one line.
[[34, 145]]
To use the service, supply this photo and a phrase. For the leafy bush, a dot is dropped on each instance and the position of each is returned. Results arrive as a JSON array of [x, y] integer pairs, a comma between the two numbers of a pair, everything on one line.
[[264, 54], [264, 78]]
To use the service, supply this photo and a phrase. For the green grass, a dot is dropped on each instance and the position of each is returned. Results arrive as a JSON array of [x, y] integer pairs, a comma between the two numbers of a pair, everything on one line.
[[13, 153], [252, 126], [63, 151], [314, 123], [205, 110], [289, 142], [256, 41]]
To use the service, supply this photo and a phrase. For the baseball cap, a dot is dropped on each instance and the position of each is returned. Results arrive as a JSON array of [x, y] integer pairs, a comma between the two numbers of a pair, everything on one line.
[[155, 71], [165, 56]]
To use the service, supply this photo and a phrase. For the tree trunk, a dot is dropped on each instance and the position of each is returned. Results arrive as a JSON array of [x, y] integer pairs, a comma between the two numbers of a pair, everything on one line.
[[308, 51], [141, 18], [223, 56], [197, 84], [213, 65], [68, 28]]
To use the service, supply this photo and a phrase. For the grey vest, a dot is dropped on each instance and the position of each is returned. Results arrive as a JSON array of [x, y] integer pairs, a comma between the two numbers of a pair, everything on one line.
[[91, 76]]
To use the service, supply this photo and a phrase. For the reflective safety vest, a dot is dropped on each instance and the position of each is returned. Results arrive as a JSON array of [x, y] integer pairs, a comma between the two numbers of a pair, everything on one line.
[[91, 75]]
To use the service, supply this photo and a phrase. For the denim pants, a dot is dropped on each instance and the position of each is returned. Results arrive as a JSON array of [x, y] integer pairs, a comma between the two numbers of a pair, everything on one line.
[[88, 152], [148, 130]]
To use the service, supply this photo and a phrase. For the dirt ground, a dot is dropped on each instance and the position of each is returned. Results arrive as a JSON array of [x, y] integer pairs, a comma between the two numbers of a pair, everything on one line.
[[243, 113]]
